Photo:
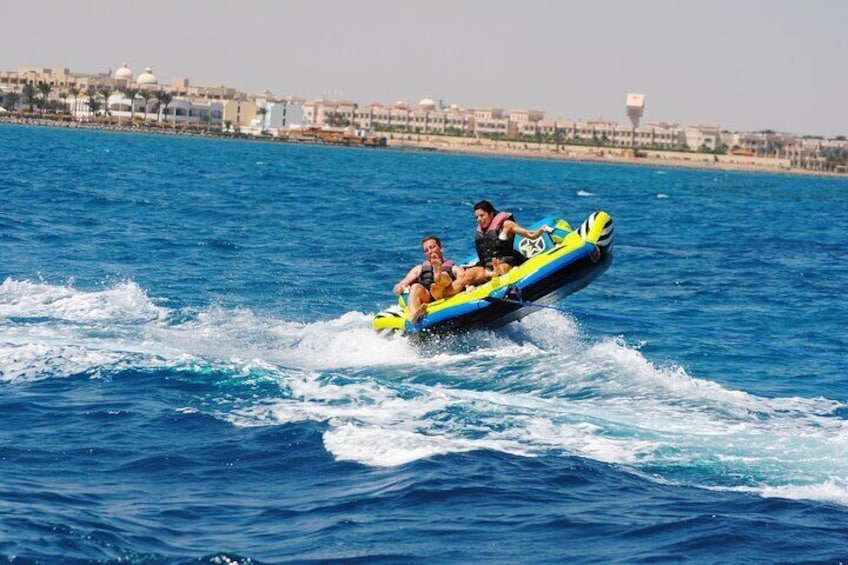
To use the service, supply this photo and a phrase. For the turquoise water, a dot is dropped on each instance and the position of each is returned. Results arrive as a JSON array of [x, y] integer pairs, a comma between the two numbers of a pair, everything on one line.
[[187, 373]]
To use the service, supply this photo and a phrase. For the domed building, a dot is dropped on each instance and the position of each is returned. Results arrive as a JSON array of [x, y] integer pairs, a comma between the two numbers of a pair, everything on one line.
[[124, 73], [147, 78], [427, 104]]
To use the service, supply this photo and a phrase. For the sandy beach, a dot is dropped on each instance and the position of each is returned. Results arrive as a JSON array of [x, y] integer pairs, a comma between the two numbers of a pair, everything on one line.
[[531, 150]]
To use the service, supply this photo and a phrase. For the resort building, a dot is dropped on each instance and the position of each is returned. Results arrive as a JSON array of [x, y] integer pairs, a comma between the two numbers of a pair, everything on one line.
[[526, 125], [814, 153], [274, 118], [333, 113], [238, 113], [706, 137], [491, 122], [123, 98]]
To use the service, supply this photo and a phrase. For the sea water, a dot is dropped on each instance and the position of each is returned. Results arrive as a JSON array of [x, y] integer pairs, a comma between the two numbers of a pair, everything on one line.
[[188, 374]]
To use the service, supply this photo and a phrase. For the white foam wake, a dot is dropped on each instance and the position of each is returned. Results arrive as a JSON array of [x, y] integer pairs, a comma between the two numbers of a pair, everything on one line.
[[538, 387], [601, 400], [54, 331], [124, 303]]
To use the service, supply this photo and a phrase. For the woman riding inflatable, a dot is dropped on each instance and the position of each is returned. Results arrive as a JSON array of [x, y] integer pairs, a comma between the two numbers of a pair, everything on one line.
[[494, 242]]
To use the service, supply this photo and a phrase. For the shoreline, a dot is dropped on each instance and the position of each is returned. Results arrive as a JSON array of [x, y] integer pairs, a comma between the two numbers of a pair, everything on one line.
[[609, 155], [484, 147]]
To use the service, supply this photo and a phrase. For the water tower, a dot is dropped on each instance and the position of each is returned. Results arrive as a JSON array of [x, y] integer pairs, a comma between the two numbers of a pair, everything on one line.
[[635, 106]]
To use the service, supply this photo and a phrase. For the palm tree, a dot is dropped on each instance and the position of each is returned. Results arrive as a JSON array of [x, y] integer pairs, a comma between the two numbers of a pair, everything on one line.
[[162, 99], [155, 105], [206, 119], [45, 88], [63, 96], [74, 91], [10, 100], [262, 110], [131, 93], [144, 95], [94, 104], [106, 92], [93, 101], [28, 92], [165, 98]]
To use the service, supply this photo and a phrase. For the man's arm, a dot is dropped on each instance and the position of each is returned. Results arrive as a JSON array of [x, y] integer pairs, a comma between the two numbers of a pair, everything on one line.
[[405, 282]]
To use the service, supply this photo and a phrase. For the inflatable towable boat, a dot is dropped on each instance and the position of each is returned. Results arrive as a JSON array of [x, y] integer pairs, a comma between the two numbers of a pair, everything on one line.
[[557, 264]]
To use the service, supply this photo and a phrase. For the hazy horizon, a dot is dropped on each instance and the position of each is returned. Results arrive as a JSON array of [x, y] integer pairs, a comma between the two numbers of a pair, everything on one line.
[[744, 66]]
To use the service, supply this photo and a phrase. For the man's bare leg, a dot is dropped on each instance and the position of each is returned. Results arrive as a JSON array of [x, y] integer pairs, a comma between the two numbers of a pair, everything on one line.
[[417, 302]]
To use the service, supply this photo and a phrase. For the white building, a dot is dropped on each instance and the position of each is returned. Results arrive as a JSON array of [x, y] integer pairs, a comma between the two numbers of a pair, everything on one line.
[[151, 103], [281, 115], [275, 118], [702, 137]]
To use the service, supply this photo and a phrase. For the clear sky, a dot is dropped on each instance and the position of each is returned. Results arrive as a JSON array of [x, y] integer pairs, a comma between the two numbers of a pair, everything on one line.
[[741, 64]]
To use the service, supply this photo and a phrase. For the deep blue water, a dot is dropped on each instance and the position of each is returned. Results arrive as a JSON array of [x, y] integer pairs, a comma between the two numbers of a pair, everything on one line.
[[187, 373]]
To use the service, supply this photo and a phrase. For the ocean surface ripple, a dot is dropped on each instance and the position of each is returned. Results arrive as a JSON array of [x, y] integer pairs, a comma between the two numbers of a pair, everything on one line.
[[188, 374]]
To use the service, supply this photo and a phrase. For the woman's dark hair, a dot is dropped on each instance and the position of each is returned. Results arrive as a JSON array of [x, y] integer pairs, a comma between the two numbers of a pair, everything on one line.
[[486, 206]]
